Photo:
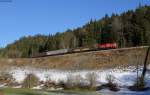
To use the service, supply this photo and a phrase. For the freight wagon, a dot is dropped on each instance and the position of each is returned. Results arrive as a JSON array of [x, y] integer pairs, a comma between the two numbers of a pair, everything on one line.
[[55, 52]]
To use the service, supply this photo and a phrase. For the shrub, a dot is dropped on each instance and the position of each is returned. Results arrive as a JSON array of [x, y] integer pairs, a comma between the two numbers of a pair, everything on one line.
[[91, 78], [73, 82], [49, 84], [30, 81], [110, 79], [76, 82], [61, 84], [110, 83]]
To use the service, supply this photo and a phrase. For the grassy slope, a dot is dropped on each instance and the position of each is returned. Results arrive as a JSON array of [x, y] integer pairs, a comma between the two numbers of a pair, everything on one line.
[[22, 91], [16, 91]]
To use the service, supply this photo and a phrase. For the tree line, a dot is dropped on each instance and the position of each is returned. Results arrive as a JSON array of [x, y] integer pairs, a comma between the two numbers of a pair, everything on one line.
[[131, 28]]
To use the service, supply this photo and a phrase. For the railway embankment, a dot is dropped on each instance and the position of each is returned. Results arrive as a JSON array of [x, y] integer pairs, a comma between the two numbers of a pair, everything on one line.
[[102, 59]]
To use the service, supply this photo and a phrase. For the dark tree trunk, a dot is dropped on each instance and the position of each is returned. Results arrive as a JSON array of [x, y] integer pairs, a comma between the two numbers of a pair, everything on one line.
[[145, 63]]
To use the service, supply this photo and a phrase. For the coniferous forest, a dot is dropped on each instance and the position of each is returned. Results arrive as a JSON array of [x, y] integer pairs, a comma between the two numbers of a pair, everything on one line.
[[131, 28]]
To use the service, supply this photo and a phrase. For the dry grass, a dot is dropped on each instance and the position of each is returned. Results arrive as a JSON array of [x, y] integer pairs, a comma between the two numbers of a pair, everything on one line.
[[73, 82], [111, 85], [7, 79], [1, 93], [92, 79], [30, 81]]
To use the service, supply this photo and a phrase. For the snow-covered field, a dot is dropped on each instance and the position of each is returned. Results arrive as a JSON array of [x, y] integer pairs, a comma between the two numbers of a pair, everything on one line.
[[123, 77]]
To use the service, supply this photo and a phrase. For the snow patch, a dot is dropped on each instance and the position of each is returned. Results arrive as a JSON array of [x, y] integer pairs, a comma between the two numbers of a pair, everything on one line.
[[121, 77]]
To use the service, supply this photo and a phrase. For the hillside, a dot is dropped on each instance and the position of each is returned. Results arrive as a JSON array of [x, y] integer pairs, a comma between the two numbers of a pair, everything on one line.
[[128, 29], [120, 64]]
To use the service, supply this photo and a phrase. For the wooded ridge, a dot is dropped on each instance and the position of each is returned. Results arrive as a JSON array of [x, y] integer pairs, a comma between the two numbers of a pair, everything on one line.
[[131, 28]]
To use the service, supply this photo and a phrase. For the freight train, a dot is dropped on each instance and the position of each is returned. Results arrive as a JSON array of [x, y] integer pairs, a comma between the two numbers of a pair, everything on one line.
[[103, 46]]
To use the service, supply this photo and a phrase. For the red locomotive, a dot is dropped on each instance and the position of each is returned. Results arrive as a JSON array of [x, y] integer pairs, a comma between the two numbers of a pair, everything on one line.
[[107, 45]]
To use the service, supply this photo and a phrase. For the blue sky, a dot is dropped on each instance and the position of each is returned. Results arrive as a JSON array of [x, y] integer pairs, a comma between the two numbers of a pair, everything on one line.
[[29, 17]]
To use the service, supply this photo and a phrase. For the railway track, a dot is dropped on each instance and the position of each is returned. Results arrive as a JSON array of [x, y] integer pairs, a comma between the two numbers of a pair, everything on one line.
[[72, 52]]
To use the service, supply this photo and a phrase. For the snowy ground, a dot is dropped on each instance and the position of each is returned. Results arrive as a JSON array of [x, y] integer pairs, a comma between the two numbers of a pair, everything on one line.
[[123, 77], [123, 91]]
